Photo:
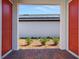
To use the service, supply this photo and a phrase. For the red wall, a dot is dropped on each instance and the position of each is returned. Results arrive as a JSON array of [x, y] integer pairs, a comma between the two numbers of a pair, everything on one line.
[[78, 27], [6, 26], [73, 26]]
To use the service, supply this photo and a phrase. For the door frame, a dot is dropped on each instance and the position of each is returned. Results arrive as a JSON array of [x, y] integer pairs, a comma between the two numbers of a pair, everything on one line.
[[63, 27]]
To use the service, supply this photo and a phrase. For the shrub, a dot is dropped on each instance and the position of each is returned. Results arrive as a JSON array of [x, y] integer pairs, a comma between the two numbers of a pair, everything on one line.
[[56, 40], [49, 37], [28, 40], [22, 38], [34, 37], [43, 41]]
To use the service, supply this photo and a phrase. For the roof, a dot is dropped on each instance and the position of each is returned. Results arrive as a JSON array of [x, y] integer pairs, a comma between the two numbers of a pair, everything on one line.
[[41, 17]]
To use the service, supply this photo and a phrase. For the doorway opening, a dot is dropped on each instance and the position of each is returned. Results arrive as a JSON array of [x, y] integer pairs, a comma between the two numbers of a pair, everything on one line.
[[38, 26]]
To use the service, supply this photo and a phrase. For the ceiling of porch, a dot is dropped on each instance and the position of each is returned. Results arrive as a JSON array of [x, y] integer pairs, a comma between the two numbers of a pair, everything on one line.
[[39, 1]]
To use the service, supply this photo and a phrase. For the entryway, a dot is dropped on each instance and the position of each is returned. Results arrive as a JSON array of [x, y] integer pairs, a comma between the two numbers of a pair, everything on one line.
[[39, 26], [9, 30]]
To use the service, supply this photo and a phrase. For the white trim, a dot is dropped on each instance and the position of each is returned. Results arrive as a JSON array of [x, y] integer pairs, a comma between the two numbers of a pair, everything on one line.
[[14, 28], [63, 39], [0, 29], [67, 24], [6, 54], [73, 53], [18, 26]]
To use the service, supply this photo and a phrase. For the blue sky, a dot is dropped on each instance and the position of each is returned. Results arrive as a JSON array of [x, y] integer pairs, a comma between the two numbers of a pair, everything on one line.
[[39, 9]]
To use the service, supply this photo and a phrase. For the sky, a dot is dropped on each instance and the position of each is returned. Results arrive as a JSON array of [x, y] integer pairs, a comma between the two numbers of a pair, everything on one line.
[[39, 9]]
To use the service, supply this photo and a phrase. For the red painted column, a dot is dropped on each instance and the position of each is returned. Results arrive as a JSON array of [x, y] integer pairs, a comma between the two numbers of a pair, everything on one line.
[[6, 26], [73, 26], [78, 27]]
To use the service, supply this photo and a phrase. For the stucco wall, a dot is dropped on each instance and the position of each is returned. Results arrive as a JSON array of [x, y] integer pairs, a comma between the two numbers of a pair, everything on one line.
[[37, 29]]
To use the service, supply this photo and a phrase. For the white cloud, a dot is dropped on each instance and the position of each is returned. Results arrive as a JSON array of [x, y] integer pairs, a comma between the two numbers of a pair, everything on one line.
[[42, 9], [49, 7]]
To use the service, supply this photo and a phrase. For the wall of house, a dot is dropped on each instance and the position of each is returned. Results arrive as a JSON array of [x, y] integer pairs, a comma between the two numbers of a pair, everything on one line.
[[78, 28], [39, 29], [73, 26], [6, 26]]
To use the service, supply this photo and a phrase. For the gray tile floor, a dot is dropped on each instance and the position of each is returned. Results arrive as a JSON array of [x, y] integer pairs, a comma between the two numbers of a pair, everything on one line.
[[40, 54]]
